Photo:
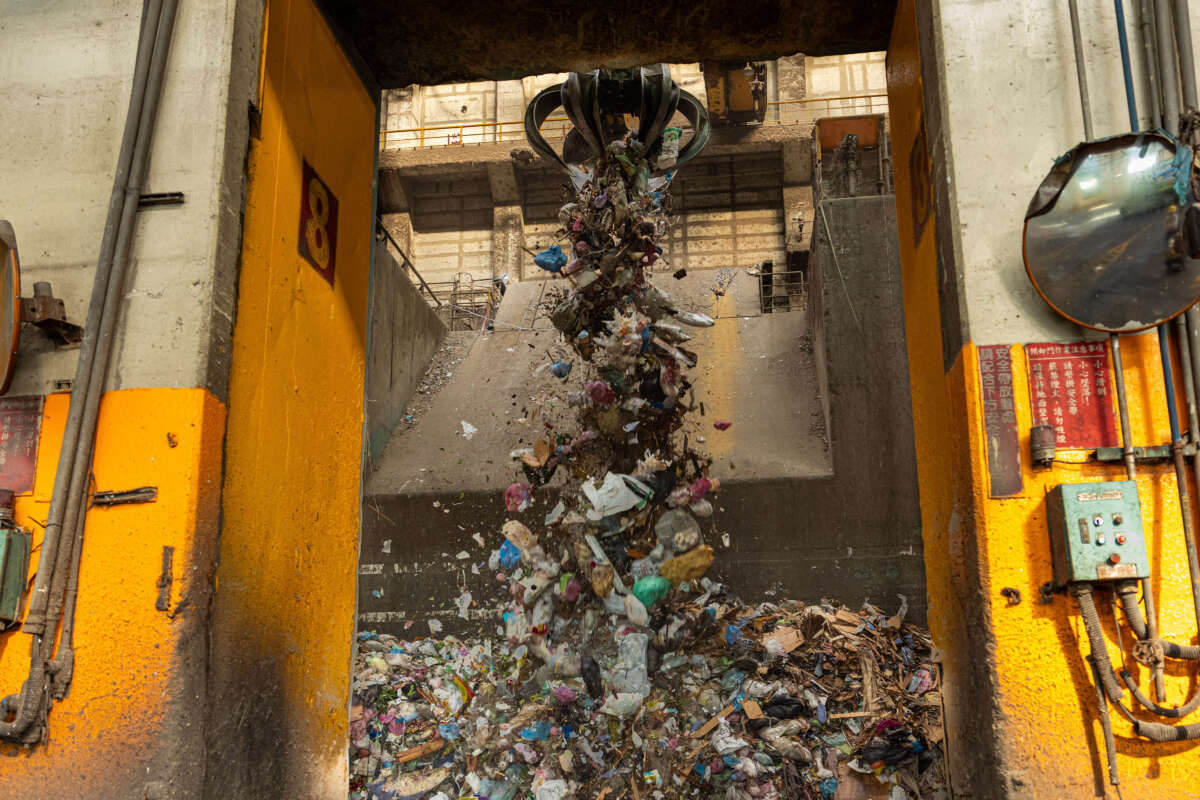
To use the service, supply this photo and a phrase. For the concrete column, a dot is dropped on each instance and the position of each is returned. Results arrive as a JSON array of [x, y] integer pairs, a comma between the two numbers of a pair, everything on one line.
[[508, 221], [508, 235], [510, 106], [797, 165]]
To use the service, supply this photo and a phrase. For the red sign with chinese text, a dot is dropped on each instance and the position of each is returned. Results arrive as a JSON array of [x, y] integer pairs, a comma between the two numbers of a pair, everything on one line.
[[1070, 388], [1000, 421], [20, 429]]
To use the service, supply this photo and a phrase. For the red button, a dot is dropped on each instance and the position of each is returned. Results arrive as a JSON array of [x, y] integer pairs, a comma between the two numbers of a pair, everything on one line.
[[1120, 539], [1114, 559]]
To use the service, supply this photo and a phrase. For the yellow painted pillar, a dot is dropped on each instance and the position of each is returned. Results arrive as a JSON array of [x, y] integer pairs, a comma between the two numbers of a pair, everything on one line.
[[1021, 710]]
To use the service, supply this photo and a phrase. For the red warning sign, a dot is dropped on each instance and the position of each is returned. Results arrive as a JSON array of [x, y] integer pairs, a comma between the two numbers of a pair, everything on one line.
[[1070, 388], [20, 429]]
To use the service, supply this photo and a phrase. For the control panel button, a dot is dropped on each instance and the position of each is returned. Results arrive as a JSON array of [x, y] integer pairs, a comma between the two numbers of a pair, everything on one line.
[[1097, 520], [1100, 540], [1115, 558], [1118, 519], [1120, 537]]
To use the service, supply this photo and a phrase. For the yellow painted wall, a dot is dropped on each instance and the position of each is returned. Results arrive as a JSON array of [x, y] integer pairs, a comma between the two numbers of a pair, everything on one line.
[[122, 724], [284, 615], [1047, 737]]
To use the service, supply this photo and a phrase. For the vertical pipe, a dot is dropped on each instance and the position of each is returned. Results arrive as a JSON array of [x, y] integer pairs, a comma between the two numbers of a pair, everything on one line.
[[1123, 40], [1160, 689], [1181, 478], [35, 619], [1085, 101], [1146, 12], [1187, 63], [1168, 72]]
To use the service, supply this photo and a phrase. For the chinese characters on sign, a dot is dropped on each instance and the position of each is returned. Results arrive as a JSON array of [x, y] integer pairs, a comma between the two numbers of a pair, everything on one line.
[[1000, 420], [1069, 388], [20, 428]]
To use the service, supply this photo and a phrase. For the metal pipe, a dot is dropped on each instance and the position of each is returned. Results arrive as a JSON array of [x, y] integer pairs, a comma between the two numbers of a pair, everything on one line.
[[1187, 62], [1146, 13], [1181, 477], [32, 696], [1114, 340], [1110, 745], [1085, 102], [1123, 41], [35, 618], [73, 521], [1168, 73]]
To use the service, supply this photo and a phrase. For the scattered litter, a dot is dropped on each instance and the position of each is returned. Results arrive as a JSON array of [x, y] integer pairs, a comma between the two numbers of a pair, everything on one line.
[[468, 430], [441, 714]]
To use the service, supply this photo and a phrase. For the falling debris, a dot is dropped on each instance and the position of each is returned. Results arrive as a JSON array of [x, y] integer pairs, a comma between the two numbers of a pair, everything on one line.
[[619, 668]]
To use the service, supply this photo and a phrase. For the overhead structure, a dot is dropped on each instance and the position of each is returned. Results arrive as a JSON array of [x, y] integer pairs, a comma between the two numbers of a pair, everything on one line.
[[598, 101]]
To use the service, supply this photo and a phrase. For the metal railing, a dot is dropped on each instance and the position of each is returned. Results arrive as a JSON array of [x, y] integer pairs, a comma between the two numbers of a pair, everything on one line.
[[782, 112], [470, 303], [406, 264], [782, 290]]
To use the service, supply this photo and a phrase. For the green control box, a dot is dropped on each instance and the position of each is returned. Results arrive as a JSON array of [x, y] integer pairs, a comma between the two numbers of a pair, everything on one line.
[[14, 573], [1096, 532]]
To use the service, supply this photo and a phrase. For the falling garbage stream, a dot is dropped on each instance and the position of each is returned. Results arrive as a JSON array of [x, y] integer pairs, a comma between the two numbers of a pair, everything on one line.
[[618, 668]]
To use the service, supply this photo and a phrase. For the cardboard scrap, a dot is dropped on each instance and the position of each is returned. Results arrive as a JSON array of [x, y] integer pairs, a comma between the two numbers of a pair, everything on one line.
[[789, 638], [752, 709], [707, 727], [420, 751]]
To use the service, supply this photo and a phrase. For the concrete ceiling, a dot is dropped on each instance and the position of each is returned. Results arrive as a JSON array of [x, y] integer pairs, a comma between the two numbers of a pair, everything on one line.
[[421, 41]]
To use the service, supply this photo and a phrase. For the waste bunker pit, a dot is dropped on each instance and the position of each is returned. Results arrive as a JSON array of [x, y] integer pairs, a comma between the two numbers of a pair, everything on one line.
[[596, 547]]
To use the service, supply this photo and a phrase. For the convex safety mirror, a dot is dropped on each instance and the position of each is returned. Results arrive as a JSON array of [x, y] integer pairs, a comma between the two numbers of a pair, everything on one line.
[[1104, 234]]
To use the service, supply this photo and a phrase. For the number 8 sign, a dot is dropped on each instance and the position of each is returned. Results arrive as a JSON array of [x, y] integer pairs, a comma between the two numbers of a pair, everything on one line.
[[317, 241]]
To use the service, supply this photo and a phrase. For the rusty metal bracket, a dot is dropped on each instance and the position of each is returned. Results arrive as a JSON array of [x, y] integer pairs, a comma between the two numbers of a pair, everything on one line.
[[144, 494], [164, 580], [48, 313]]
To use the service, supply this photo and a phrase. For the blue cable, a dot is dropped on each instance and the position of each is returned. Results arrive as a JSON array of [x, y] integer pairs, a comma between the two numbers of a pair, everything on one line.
[[1124, 41], [1164, 353]]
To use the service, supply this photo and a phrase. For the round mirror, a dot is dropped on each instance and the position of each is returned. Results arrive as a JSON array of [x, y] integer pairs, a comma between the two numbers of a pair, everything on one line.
[[10, 304], [1101, 234]]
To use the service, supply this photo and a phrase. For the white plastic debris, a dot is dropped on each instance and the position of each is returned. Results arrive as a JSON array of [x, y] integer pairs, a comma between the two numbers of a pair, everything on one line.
[[468, 430]]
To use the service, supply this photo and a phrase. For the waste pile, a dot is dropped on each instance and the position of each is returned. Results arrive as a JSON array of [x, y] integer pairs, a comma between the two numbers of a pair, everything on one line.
[[619, 669], [732, 701]]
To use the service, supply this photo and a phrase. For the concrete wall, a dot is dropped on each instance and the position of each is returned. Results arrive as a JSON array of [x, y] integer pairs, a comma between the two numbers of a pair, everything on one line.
[[405, 332], [131, 725], [67, 79], [993, 170]]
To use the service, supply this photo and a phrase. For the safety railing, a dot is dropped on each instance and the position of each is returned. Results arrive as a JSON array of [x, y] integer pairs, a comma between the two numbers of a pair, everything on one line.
[[783, 112], [407, 265]]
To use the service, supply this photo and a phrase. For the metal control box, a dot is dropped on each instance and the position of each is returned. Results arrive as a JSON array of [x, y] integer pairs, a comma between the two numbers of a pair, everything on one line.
[[1096, 532], [14, 573]]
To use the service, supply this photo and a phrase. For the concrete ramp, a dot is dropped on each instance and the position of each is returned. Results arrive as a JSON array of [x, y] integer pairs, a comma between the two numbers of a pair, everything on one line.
[[756, 370]]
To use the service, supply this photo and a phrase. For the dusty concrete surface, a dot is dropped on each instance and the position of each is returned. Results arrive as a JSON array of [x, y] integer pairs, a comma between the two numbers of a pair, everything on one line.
[[428, 42], [404, 333]]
